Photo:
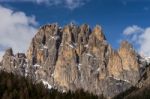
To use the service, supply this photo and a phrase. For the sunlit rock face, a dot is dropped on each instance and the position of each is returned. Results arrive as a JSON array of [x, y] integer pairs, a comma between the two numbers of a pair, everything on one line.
[[74, 57], [130, 63], [115, 67]]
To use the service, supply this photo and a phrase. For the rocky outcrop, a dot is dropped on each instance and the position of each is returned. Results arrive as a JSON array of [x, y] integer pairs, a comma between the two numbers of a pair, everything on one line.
[[43, 51], [115, 66], [8, 60], [14, 63], [75, 57], [129, 62], [66, 72], [124, 64]]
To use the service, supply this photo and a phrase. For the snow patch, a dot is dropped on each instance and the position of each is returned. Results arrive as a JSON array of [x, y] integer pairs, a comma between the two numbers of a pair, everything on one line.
[[52, 37], [71, 45], [36, 65], [46, 84], [26, 72], [55, 37], [86, 46], [64, 91], [98, 69], [88, 54], [15, 66], [45, 47], [24, 65], [52, 75], [61, 44], [26, 60], [126, 80], [121, 79], [147, 60], [79, 66]]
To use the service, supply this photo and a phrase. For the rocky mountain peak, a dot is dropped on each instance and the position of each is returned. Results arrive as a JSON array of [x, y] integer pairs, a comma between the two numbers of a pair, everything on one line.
[[125, 45], [129, 56], [129, 62], [9, 52], [76, 57], [7, 57], [13, 63], [99, 33]]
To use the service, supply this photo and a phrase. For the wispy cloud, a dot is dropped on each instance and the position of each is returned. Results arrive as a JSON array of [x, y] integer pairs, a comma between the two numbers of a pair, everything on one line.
[[16, 30], [134, 29], [139, 36], [70, 4]]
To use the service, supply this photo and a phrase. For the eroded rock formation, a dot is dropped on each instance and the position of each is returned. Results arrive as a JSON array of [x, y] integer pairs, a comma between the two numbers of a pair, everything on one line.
[[75, 57]]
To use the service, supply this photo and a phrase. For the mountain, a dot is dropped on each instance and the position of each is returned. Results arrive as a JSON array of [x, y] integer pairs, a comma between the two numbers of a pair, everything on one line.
[[75, 57]]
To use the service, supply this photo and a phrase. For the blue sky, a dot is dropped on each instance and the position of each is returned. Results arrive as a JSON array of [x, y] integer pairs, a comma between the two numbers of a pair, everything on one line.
[[120, 19]]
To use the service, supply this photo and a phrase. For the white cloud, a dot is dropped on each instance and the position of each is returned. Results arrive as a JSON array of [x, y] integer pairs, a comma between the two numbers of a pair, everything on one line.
[[144, 42], [70, 4], [141, 37], [132, 30], [16, 30]]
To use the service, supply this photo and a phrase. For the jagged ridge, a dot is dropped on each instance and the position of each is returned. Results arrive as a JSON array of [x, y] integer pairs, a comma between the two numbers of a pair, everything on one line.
[[75, 57]]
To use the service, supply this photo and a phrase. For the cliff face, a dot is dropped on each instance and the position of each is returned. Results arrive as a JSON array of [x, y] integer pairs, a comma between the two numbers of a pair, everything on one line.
[[75, 57]]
